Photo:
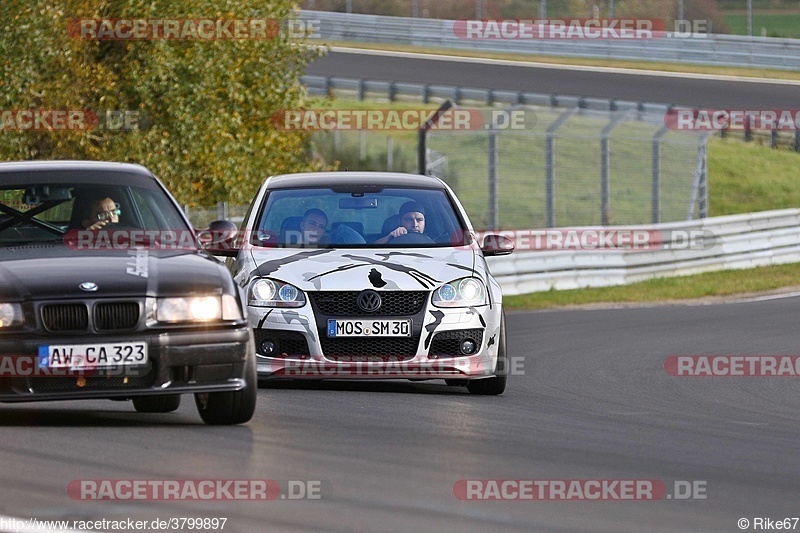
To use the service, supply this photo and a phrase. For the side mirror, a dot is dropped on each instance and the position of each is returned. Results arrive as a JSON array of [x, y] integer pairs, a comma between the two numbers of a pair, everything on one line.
[[494, 245], [219, 238]]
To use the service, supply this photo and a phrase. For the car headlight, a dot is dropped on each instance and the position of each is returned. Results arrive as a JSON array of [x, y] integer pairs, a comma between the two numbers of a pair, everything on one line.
[[464, 292], [265, 292], [193, 309], [10, 315]]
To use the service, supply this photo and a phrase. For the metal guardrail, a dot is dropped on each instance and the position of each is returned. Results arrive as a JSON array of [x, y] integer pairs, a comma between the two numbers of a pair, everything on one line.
[[740, 241], [425, 92], [703, 49]]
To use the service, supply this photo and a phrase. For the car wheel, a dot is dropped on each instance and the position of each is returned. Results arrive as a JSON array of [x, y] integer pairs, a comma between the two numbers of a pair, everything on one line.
[[457, 382], [229, 408], [159, 403], [496, 384]]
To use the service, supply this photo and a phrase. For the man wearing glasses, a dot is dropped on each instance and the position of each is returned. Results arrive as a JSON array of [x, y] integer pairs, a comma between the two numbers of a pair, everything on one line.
[[103, 212]]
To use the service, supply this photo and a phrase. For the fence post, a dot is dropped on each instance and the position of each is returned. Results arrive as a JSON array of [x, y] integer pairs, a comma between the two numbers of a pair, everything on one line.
[[422, 151], [222, 211], [422, 137], [362, 89], [704, 177], [700, 185], [493, 200], [363, 152], [550, 165], [327, 87], [605, 168], [656, 194]]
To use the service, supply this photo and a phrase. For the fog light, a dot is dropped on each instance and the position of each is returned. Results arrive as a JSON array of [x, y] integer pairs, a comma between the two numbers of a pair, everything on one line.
[[268, 348], [468, 347]]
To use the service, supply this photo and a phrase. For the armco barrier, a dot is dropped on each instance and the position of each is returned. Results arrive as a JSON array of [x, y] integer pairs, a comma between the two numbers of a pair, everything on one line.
[[741, 241], [712, 49]]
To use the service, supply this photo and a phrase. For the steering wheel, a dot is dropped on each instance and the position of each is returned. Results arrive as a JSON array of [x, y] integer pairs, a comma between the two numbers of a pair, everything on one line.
[[412, 238]]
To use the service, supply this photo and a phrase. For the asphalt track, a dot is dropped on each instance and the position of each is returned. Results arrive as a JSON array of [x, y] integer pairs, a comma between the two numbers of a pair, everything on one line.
[[593, 402], [655, 87]]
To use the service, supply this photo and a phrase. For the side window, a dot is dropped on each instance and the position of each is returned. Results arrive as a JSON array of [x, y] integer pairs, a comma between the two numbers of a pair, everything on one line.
[[149, 218]]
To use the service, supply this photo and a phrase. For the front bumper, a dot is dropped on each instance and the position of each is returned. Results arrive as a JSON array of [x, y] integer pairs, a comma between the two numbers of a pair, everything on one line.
[[424, 360], [208, 360]]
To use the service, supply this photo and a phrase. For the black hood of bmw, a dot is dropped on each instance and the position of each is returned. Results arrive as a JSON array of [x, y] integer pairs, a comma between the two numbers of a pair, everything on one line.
[[45, 271]]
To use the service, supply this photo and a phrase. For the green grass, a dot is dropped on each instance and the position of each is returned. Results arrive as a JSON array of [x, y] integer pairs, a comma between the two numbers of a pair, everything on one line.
[[776, 24], [724, 283], [747, 177]]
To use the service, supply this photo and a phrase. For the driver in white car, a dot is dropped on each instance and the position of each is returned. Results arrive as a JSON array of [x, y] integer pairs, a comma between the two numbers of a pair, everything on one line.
[[412, 220]]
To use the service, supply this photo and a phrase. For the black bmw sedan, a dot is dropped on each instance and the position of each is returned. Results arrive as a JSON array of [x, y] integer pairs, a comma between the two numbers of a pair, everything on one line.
[[107, 292]]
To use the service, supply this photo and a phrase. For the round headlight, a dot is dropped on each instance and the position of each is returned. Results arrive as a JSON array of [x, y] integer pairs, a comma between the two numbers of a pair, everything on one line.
[[447, 293], [264, 289], [204, 308], [470, 289], [288, 293]]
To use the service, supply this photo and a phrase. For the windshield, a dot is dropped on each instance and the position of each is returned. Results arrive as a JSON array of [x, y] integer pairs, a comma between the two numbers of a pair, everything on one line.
[[390, 217], [46, 212]]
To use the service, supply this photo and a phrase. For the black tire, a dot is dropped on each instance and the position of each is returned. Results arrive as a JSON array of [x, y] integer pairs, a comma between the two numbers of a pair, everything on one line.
[[497, 384], [457, 382], [159, 403], [230, 408]]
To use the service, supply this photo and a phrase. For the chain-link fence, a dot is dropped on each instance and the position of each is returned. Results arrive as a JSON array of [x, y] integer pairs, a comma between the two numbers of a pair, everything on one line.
[[562, 167], [574, 167]]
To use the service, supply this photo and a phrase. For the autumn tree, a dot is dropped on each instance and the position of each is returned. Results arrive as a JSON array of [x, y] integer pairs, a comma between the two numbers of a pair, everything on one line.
[[203, 106]]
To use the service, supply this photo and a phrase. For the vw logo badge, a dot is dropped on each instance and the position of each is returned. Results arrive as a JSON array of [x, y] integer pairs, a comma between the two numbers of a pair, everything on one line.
[[369, 301], [88, 286]]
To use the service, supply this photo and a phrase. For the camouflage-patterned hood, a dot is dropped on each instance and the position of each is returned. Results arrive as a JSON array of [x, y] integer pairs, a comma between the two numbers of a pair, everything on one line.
[[358, 269]]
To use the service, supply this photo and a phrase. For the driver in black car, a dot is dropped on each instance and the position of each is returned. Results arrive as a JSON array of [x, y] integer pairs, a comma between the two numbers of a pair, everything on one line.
[[104, 211], [412, 220]]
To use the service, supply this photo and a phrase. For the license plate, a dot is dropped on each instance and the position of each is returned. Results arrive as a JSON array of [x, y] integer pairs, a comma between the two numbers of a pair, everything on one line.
[[73, 356], [369, 328]]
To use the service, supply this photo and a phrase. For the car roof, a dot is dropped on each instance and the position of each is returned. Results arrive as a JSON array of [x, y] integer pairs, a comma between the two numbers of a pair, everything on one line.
[[68, 166], [346, 178]]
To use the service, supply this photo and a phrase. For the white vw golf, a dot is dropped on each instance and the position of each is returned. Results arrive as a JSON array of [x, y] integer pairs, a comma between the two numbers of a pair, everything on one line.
[[361, 275]]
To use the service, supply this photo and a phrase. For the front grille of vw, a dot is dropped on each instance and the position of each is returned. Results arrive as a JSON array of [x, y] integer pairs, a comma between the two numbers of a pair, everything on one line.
[[369, 349], [394, 303], [116, 315], [65, 317]]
